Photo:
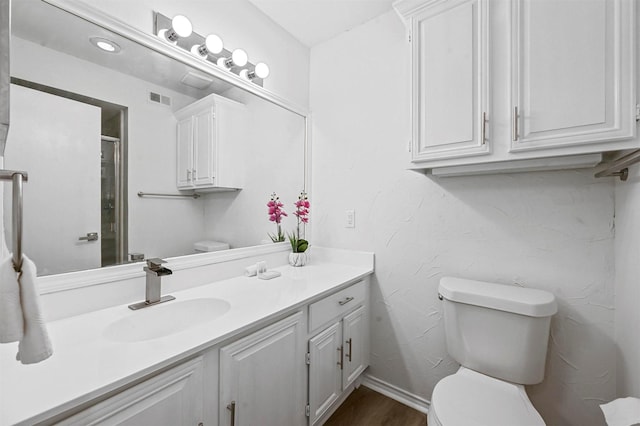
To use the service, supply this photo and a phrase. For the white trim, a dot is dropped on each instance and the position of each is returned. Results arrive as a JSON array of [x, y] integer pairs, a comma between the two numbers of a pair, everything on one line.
[[402, 396], [528, 165]]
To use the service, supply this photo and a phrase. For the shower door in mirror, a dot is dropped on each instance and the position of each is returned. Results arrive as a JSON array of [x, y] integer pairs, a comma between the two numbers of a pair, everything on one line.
[[57, 140]]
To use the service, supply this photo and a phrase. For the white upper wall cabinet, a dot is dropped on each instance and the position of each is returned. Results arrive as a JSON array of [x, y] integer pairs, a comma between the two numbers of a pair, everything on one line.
[[449, 72], [571, 73], [519, 85], [211, 144]]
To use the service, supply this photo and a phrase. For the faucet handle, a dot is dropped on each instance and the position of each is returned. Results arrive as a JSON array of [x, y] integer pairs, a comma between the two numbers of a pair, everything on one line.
[[155, 263]]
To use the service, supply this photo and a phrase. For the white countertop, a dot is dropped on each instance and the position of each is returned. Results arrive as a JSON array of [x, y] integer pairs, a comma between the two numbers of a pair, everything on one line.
[[86, 364]]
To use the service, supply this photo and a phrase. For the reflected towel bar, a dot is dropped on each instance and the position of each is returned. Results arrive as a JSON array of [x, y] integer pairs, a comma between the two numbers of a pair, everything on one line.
[[620, 167], [18, 178], [154, 194]]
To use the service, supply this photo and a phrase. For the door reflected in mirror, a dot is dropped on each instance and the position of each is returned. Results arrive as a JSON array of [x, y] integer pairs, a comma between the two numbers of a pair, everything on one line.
[[94, 128]]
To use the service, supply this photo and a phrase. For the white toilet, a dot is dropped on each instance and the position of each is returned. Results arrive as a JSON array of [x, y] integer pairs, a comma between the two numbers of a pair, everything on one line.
[[208, 246], [499, 335]]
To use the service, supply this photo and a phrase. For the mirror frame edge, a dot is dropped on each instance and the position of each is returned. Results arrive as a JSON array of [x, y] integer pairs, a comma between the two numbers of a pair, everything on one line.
[[109, 274]]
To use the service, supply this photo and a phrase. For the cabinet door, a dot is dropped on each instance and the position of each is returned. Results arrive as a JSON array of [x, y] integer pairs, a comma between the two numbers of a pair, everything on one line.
[[571, 69], [184, 153], [262, 377], [204, 145], [171, 398], [450, 71], [356, 345], [325, 373]]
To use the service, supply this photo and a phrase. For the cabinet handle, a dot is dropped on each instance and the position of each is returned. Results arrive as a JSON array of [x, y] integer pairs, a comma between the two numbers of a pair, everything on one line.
[[232, 407], [515, 124], [350, 344], [195, 175], [345, 301], [340, 363], [483, 133], [188, 175]]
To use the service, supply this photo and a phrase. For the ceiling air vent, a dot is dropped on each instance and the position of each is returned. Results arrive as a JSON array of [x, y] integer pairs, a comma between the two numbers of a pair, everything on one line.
[[157, 98]]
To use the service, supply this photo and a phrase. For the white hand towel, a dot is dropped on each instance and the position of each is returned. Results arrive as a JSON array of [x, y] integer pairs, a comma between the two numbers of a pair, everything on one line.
[[11, 322], [35, 345], [622, 411]]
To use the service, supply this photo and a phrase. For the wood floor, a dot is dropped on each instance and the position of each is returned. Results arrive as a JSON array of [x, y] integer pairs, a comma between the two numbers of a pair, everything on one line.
[[365, 407]]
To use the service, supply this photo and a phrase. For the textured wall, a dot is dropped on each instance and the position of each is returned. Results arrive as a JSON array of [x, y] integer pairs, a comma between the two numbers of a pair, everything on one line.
[[627, 314], [550, 230]]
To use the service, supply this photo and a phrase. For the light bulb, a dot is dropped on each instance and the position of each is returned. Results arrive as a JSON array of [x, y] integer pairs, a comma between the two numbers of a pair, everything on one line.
[[212, 44], [180, 27], [238, 58], [261, 70]]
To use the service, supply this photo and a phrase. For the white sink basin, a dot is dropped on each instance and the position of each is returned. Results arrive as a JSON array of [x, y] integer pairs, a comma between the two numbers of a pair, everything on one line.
[[165, 319]]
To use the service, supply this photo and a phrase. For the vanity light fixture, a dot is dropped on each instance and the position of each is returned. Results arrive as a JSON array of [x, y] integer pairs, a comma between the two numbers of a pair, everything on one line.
[[239, 58], [180, 27], [212, 45], [261, 70], [105, 44], [178, 31]]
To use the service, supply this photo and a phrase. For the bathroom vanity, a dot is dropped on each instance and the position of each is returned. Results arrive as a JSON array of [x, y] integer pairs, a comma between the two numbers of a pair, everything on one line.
[[240, 351]]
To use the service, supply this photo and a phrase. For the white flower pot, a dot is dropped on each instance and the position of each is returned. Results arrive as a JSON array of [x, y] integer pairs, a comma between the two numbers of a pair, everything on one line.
[[298, 259]]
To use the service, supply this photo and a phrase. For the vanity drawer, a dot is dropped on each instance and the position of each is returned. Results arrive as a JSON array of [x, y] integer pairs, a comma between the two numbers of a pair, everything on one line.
[[336, 305]]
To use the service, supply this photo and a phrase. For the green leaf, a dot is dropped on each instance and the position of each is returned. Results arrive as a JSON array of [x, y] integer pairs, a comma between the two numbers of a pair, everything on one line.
[[302, 245]]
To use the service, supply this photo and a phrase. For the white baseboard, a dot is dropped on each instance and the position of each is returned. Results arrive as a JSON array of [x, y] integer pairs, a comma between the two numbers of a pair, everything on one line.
[[394, 392]]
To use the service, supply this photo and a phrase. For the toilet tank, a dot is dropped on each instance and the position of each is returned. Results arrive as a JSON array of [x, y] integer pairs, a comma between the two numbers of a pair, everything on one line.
[[498, 330]]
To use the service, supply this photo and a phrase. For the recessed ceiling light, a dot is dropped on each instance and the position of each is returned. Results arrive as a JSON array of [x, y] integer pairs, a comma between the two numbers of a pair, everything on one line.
[[104, 44]]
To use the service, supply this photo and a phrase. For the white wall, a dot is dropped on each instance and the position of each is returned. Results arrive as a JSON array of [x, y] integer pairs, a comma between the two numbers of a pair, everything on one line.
[[549, 230], [274, 162], [240, 25], [627, 313]]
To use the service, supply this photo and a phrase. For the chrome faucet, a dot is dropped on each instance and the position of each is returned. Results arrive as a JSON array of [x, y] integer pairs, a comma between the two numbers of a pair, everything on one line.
[[155, 271]]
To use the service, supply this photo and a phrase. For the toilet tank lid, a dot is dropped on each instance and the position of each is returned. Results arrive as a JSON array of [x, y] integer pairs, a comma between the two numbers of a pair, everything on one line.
[[509, 298], [209, 245]]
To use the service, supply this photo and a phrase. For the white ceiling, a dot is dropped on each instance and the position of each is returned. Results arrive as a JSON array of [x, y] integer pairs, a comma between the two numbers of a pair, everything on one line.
[[315, 21]]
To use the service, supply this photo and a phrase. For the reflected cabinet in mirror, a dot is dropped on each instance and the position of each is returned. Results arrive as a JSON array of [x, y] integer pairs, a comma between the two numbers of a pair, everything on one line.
[[95, 128]]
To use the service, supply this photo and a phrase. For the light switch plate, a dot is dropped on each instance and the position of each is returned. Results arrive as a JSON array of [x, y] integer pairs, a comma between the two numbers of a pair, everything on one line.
[[350, 219]]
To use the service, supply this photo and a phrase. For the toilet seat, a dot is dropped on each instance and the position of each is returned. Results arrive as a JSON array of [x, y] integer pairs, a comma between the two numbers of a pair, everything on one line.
[[468, 398]]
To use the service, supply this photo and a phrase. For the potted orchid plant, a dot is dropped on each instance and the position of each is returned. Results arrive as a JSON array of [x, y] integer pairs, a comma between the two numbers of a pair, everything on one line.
[[276, 213], [299, 245]]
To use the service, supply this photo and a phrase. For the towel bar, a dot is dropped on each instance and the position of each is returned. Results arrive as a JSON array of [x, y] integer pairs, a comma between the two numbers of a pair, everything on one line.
[[18, 177]]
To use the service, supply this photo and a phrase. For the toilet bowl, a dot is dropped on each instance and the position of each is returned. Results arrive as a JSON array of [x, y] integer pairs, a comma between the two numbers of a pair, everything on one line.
[[499, 335], [469, 398]]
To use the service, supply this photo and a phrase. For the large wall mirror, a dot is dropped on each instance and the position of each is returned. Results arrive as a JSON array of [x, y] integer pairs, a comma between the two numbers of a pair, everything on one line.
[[93, 129]]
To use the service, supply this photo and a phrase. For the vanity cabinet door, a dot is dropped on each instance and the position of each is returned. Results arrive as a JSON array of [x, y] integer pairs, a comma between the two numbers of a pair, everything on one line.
[[184, 166], [325, 372], [449, 74], [204, 147], [572, 74], [356, 345], [174, 397], [262, 377]]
